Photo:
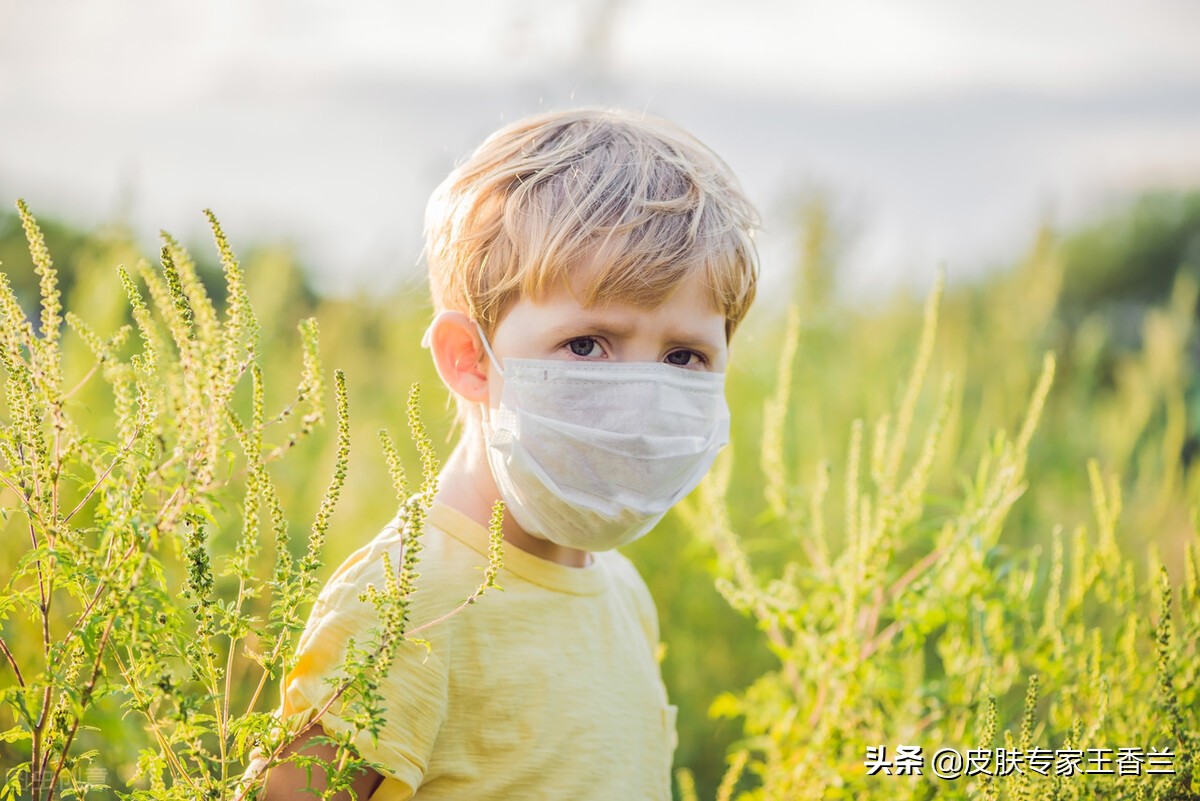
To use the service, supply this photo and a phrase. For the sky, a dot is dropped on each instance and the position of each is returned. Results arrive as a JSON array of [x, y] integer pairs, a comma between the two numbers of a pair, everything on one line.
[[941, 133]]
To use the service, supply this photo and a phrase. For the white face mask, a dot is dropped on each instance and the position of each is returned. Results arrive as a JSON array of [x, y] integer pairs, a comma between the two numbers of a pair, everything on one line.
[[591, 454]]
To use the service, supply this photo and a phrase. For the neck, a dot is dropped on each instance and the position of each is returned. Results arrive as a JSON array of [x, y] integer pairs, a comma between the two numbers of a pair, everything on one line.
[[466, 484]]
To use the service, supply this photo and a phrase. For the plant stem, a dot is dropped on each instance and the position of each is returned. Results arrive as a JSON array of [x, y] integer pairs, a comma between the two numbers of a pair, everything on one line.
[[28, 510], [82, 381], [163, 743], [128, 446], [84, 698], [13, 662]]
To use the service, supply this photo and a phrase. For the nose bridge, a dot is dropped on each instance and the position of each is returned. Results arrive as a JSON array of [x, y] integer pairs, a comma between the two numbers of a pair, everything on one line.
[[641, 346], [638, 340]]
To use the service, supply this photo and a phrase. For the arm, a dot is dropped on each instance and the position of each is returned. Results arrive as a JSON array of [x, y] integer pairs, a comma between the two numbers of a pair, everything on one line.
[[414, 692], [287, 780]]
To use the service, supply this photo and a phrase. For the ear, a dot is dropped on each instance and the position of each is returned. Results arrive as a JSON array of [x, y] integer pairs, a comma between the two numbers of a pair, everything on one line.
[[458, 355]]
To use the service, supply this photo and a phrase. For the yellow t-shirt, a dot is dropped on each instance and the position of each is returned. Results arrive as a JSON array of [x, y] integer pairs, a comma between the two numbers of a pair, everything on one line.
[[548, 688]]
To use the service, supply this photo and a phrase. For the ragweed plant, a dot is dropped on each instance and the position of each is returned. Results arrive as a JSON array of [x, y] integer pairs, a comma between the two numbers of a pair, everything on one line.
[[904, 619], [137, 594]]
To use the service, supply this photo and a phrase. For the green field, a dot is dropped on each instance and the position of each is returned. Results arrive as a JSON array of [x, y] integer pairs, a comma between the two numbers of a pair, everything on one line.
[[927, 502]]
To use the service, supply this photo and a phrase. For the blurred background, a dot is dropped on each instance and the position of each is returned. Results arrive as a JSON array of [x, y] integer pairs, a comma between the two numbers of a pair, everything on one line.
[[1047, 156], [940, 132]]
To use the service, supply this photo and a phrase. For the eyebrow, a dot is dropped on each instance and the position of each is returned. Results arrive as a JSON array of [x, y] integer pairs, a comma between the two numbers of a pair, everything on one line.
[[674, 338]]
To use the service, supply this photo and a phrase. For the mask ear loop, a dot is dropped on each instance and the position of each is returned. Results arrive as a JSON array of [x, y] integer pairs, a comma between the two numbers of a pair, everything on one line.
[[486, 345], [488, 348], [485, 411]]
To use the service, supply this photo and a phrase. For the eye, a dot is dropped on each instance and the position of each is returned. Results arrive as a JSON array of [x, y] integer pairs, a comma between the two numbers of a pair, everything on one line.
[[583, 346], [682, 358]]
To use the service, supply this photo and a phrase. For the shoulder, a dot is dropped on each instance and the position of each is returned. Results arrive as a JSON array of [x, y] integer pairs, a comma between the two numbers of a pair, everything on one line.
[[343, 617], [444, 573], [628, 581], [626, 577]]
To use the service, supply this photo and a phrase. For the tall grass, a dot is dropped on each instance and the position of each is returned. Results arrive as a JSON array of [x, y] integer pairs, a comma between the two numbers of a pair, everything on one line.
[[927, 504], [145, 639], [917, 610]]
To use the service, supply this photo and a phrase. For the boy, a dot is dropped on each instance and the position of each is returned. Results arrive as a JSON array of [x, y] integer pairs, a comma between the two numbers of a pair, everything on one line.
[[588, 269]]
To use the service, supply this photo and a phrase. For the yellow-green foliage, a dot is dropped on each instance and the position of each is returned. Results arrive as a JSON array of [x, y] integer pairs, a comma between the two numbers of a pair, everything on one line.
[[143, 639], [918, 609], [926, 504]]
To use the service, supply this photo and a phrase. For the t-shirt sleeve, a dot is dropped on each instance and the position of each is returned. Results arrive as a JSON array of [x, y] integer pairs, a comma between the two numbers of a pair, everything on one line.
[[639, 593], [647, 614], [414, 691]]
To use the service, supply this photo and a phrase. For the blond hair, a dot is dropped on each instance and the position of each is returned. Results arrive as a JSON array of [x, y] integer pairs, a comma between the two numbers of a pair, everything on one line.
[[634, 195]]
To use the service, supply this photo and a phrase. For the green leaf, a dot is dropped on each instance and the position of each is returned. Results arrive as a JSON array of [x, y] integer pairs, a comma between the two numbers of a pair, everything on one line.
[[15, 734]]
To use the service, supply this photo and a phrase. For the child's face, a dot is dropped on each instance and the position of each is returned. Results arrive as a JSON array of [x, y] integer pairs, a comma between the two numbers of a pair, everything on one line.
[[683, 331]]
